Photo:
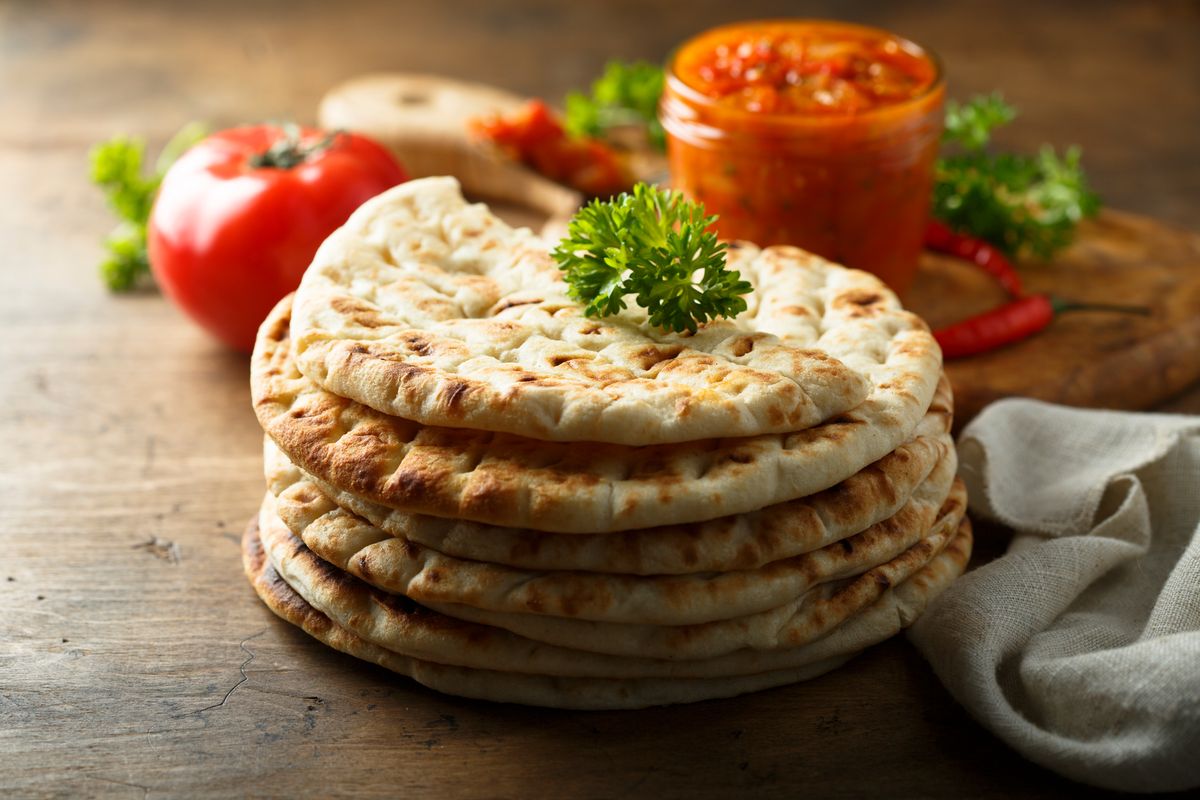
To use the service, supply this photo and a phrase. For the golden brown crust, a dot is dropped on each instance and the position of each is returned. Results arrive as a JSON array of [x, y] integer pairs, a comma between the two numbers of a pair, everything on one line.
[[565, 487], [487, 640], [739, 542], [595, 693], [536, 690], [793, 624], [402, 566]]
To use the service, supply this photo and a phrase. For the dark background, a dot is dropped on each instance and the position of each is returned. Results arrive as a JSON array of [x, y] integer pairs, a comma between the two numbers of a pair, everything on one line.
[[1118, 78]]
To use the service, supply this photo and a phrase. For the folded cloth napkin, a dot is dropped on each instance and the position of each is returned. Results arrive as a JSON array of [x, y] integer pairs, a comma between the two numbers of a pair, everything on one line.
[[1080, 647]]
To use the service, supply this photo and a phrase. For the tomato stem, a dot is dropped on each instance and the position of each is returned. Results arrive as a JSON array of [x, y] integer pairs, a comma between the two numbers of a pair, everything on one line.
[[290, 150]]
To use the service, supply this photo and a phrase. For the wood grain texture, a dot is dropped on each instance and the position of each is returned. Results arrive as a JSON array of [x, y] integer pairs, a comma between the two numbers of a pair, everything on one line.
[[134, 659], [1092, 359]]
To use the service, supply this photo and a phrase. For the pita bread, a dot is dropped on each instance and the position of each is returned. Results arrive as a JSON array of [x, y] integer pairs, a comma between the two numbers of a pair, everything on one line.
[[562, 487], [749, 644], [742, 541], [908, 601], [804, 618], [428, 576], [429, 308]]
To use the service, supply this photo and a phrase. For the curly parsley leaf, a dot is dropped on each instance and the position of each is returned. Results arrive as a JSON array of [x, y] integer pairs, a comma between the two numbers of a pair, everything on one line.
[[1025, 205], [626, 94], [971, 124], [657, 246], [117, 167]]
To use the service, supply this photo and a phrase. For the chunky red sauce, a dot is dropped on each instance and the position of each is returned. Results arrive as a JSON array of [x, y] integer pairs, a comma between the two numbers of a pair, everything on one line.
[[818, 134], [535, 136], [804, 68]]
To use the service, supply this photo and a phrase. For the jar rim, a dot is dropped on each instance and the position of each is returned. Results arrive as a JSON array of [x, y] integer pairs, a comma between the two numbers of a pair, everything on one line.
[[677, 86]]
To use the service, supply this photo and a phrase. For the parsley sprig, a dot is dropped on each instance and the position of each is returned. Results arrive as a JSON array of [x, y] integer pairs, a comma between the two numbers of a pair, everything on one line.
[[626, 94], [1027, 205], [117, 168], [657, 246]]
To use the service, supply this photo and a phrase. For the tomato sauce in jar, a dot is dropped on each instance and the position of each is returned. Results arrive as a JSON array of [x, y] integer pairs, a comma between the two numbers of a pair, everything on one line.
[[813, 133]]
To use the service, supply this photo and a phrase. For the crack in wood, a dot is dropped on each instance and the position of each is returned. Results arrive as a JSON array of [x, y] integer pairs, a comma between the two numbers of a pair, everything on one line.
[[161, 548], [145, 789], [148, 462], [241, 669]]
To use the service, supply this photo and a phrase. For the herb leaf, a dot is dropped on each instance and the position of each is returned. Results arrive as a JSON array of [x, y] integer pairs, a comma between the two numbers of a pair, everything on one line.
[[117, 168], [1025, 205], [971, 124], [626, 94], [655, 245]]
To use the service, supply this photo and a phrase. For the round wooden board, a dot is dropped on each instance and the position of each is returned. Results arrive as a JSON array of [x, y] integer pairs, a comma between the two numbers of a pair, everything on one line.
[[1093, 359]]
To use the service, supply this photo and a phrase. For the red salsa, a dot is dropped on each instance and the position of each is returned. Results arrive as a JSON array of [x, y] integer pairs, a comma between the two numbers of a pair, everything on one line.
[[817, 134], [535, 136]]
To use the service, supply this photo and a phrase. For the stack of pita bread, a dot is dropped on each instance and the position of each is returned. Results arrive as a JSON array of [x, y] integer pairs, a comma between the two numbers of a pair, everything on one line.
[[474, 484]]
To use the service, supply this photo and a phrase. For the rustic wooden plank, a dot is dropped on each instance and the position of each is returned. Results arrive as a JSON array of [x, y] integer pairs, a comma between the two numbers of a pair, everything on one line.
[[134, 659]]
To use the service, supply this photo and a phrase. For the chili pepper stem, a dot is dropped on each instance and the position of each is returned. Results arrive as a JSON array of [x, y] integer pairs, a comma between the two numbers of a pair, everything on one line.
[[1060, 305], [1013, 322]]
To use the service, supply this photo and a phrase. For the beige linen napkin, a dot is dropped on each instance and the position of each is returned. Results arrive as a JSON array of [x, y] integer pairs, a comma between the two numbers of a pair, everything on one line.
[[1080, 647]]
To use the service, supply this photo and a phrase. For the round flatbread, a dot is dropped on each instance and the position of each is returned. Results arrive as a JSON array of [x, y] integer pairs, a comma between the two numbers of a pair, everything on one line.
[[599, 692], [563, 487], [721, 648], [738, 542], [505, 687], [401, 566], [429, 308], [798, 621]]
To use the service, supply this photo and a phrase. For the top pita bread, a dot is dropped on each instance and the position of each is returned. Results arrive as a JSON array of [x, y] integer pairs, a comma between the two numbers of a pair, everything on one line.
[[429, 308], [563, 487]]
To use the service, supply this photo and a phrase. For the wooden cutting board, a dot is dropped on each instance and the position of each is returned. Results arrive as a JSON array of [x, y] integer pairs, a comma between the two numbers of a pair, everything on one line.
[[1093, 359]]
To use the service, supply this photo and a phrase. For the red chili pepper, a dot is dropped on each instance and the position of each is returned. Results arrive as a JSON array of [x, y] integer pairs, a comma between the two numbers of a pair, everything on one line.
[[940, 239], [1011, 323]]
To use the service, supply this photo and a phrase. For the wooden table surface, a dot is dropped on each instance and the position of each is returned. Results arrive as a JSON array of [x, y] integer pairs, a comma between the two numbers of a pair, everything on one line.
[[134, 658]]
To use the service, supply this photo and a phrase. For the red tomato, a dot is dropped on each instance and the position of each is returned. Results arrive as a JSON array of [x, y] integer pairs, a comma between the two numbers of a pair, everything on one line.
[[239, 217]]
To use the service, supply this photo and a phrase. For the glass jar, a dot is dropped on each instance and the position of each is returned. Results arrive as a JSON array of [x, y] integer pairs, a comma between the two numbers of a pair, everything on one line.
[[811, 133]]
